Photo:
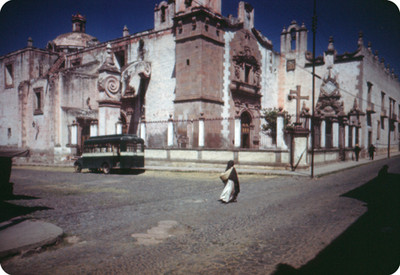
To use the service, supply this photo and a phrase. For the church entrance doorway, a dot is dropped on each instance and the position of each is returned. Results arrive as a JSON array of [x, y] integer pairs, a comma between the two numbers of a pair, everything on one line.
[[245, 119]]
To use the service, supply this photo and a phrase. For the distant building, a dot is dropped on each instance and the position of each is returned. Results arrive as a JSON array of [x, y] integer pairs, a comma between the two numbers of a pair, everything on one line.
[[197, 80]]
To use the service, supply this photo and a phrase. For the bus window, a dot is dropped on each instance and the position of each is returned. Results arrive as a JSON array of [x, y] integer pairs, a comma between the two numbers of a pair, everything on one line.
[[131, 147]]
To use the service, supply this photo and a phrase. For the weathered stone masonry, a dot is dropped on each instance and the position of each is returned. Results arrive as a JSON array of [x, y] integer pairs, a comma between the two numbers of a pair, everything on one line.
[[194, 88]]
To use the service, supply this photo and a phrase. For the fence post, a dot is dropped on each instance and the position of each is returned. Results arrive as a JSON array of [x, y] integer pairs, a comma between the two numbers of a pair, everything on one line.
[[118, 127], [170, 131], [94, 128], [280, 119], [323, 133], [335, 130], [201, 130], [346, 135], [237, 130], [74, 133]]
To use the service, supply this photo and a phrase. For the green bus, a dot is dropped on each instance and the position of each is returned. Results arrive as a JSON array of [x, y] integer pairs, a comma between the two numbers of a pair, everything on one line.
[[103, 153]]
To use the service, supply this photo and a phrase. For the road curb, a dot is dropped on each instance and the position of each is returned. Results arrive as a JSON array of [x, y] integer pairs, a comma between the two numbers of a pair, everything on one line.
[[27, 235]]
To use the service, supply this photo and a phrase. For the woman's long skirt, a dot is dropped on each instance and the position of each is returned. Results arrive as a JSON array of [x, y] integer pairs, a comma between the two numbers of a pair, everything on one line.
[[228, 191]]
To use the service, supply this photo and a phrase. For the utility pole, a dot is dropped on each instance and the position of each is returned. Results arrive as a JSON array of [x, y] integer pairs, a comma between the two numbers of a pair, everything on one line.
[[389, 126], [314, 30]]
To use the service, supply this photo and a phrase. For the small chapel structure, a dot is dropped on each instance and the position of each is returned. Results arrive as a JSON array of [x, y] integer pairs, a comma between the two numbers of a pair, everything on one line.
[[196, 88]]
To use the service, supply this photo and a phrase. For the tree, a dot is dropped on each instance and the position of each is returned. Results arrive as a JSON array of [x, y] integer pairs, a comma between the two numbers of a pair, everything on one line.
[[270, 115]]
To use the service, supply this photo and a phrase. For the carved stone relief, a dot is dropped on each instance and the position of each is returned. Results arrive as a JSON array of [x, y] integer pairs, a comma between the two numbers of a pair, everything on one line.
[[246, 60], [109, 78], [132, 77], [329, 104]]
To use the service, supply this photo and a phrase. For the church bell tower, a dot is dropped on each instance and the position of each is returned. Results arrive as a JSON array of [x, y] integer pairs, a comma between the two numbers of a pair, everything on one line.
[[199, 61]]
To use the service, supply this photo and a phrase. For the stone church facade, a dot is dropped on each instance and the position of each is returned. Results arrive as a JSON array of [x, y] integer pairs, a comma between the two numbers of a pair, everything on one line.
[[196, 81]]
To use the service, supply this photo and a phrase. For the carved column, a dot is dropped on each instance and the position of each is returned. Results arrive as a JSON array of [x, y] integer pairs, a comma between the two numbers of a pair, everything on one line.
[[201, 130], [170, 131]]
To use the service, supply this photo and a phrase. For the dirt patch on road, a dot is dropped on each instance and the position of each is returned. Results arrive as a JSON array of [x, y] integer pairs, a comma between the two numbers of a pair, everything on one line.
[[159, 233]]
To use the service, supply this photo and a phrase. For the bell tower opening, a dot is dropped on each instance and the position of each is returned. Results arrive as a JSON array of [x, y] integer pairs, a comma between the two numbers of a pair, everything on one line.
[[293, 40]]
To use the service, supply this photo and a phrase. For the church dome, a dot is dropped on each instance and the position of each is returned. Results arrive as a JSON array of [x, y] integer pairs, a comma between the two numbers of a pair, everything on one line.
[[75, 40]]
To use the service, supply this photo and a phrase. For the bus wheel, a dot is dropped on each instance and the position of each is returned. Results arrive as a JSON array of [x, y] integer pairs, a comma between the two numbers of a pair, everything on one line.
[[78, 168], [106, 168]]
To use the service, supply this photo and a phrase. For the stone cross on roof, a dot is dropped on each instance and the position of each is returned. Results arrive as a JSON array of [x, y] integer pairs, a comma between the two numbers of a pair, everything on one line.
[[297, 95]]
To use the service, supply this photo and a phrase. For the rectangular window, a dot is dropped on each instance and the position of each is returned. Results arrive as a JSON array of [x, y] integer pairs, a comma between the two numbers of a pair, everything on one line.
[[369, 84], [378, 132], [9, 76], [38, 101], [247, 69], [120, 56], [369, 121]]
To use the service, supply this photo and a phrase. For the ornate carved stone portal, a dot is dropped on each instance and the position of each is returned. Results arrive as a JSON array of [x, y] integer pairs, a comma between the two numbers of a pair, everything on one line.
[[245, 85], [329, 104]]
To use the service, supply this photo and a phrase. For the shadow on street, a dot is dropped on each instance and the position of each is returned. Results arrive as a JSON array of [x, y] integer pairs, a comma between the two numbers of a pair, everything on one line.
[[9, 210], [369, 246]]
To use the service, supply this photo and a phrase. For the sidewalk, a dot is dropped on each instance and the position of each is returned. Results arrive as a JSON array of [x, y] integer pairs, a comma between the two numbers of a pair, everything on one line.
[[19, 236], [319, 170]]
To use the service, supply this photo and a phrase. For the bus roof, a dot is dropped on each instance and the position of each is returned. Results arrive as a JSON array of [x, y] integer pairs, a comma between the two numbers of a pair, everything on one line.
[[113, 139]]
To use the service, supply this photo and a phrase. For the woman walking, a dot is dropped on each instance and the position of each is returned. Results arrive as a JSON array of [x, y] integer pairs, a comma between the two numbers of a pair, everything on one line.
[[231, 181]]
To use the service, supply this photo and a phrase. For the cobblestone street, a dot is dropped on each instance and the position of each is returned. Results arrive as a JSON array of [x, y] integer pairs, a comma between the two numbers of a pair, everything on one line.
[[173, 223]]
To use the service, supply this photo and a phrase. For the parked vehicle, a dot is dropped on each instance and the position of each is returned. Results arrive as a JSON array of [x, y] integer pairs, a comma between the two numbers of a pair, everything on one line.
[[103, 153]]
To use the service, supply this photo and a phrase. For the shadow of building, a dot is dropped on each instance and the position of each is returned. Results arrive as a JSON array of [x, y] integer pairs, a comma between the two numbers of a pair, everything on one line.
[[371, 245]]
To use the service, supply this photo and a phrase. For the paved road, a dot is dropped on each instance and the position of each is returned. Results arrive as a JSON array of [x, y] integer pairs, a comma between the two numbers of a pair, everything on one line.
[[172, 223]]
